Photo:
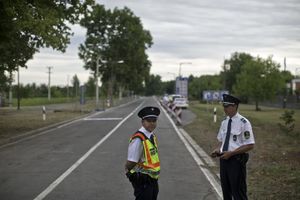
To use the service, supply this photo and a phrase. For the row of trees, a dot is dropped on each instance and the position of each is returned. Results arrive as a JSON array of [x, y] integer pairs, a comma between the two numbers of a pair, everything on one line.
[[26, 26], [251, 78], [33, 90], [115, 44]]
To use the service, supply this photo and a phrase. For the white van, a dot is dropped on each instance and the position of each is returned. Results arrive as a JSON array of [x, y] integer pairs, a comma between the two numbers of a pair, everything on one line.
[[181, 102]]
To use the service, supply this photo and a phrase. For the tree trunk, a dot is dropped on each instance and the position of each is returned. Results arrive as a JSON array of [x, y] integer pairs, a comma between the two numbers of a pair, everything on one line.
[[256, 106], [121, 89]]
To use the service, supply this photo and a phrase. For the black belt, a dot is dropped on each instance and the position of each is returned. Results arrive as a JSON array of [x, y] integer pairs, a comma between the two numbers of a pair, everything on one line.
[[140, 178], [243, 157]]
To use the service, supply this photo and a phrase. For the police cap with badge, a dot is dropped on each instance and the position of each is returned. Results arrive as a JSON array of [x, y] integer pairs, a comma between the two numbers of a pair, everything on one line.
[[149, 112], [230, 100]]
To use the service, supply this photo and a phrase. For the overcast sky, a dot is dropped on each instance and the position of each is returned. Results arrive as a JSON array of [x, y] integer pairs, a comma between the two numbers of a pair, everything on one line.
[[200, 32]]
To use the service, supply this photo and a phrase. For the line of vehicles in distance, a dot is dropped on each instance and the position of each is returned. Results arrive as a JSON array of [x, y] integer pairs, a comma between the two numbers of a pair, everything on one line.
[[176, 100]]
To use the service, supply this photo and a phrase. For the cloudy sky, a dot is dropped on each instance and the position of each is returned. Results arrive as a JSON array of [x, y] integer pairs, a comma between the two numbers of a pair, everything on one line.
[[199, 34]]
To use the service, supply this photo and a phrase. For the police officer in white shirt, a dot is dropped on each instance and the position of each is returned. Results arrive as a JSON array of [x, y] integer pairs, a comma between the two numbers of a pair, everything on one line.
[[235, 140], [143, 166]]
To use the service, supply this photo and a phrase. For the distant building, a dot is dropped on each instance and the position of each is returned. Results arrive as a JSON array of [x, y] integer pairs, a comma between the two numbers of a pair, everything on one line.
[[182, 86], [295, 83]]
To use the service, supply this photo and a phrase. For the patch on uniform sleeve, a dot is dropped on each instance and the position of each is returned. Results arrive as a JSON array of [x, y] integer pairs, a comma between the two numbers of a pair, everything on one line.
[[247, 135]]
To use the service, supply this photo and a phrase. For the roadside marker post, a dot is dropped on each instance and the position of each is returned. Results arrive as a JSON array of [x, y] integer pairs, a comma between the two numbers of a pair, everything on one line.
[[44, 113], [215, 114], [108, 103]]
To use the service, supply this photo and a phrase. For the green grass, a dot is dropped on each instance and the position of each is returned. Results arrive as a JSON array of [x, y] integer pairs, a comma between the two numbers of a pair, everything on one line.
[[274, 165], [42, 101]]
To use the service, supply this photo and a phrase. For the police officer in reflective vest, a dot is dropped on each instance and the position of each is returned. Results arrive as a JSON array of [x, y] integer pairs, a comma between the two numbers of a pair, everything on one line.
[[143, 166], [235, 140]]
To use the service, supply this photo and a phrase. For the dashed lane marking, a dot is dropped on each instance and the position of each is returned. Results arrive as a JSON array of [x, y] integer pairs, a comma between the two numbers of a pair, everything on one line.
[[53, 185]]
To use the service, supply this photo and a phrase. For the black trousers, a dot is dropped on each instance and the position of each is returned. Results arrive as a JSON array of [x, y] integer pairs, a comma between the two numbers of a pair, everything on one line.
[[233, 177], [145, 188]]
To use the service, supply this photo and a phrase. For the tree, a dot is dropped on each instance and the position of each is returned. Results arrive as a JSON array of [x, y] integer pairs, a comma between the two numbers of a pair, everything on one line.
[[168, 87], [90, 87], [206, 82], [232, 67], [153, 85], [113, 36], [259, 80], [76, 84], [29, 25], [287, 78], [4, 81]]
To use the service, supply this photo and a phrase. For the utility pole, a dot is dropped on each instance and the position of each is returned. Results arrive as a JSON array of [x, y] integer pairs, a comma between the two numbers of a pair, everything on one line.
[[18, 88], [183, 63], [68, 77], [97, 81], [10, 89], [49, 80]]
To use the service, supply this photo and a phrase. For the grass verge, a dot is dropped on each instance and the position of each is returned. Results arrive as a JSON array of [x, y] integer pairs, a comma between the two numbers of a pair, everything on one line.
[[274, 165]]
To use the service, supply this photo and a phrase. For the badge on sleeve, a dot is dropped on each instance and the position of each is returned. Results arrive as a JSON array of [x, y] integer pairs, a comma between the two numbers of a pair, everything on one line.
[[234, 138], [247, 135]]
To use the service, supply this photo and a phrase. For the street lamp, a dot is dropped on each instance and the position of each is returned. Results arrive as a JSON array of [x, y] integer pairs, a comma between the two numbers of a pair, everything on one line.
[[97, 77], [97, 81], [183, 63], [112, 79]]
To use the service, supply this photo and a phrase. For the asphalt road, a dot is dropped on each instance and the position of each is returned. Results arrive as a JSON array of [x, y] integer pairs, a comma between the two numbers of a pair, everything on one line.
[[84, 160]]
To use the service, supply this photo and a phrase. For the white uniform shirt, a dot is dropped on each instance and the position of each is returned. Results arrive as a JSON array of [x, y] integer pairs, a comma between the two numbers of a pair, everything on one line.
[[241, 132], [135, 148]]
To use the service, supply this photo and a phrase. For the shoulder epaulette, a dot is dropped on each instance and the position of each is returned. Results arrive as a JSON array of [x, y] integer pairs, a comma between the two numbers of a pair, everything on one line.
[[243, 120]]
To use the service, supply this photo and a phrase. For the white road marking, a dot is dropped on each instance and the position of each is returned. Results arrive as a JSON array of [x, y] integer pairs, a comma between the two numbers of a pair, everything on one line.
[[198, 149], [102, 119], [29, 135], [77, 120], [72, 122], [210, 177], [53, 185]]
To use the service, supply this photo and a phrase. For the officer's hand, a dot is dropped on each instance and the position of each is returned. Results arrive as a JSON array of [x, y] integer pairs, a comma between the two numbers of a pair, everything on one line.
[[215, 153], [131, 176], [226, 155]]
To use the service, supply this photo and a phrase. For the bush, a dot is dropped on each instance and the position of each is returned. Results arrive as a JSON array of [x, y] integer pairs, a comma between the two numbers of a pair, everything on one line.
[[289, 122]]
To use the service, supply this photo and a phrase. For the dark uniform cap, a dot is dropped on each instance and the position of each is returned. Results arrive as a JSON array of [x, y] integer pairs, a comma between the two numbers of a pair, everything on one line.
[[149, 112], [230, 100]]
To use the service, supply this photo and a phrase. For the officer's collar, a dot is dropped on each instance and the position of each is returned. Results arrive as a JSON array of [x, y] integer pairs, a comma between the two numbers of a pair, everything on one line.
[[147, 133], [234, 116]]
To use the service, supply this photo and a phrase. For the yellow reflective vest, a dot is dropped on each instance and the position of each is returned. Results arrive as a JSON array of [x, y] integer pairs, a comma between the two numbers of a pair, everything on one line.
[[151, 165]]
